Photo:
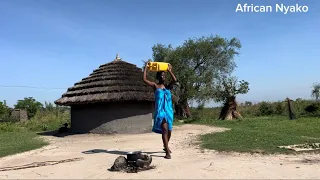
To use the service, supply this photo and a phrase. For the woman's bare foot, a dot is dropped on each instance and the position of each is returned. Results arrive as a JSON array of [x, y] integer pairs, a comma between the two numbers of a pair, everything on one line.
[[167, 156]]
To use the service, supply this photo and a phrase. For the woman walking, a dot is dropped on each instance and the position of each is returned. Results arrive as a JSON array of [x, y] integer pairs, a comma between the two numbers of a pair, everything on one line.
[[163, 115]]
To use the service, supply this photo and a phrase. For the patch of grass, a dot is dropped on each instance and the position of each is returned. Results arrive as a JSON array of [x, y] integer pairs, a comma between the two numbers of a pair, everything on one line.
[[178, 122], [18, 137], [261, 134], [10, 127], [13, 142]]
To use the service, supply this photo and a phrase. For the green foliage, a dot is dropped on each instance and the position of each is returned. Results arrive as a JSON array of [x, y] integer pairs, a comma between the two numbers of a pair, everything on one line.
[[17, 137], [265, 109], [197, 63], [313, 108], [4, 112], [50, 117], [248, 103], [229, 87], [10, 127], [279, 108], [30, 104], [47, 120], [301, 108]]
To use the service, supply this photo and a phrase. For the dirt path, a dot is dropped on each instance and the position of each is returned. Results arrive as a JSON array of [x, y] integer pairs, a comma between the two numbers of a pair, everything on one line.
[[188, 161]]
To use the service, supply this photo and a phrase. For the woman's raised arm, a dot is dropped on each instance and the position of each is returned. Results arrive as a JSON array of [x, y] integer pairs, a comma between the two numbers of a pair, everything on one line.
[[174, 79], [150, 83]]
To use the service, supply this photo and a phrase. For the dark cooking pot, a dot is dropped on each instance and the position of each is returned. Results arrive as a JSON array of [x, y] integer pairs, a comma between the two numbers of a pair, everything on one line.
[[133, 156]]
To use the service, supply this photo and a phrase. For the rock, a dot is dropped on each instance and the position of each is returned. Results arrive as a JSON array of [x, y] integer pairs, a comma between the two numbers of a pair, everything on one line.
[[145, 161], [120, 164]]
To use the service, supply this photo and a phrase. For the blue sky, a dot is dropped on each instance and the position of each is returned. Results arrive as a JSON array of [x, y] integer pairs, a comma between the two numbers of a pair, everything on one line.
[[56, 43]]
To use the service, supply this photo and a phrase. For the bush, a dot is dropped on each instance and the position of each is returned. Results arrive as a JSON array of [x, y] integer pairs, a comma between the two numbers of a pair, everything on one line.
[[265, 109], [279, 108], [4, 113], [47, 120], [249, 110], [30, 104], [313, 108]]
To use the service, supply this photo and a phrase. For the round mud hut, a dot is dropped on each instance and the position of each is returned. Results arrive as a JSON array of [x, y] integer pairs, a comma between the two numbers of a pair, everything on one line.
[[113, 99]]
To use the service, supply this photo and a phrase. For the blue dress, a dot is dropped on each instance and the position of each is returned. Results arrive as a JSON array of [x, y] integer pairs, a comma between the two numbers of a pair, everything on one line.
[[163, 110]]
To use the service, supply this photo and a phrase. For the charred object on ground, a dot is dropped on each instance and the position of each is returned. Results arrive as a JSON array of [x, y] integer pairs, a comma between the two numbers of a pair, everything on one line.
[[135, 162]]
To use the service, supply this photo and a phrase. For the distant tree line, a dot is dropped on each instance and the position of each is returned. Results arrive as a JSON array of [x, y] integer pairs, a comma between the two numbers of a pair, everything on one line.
[[301, 108], [32, 107]]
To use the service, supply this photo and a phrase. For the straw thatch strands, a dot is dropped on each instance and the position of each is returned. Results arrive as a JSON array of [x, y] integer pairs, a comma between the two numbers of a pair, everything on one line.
[[112, 99], [114, 81]]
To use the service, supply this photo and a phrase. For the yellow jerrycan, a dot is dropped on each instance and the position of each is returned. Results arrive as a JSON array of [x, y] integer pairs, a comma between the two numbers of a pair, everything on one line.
[[158, 66]]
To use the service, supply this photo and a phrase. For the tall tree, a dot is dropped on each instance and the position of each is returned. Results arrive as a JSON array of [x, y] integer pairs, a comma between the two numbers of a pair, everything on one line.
[[197, 63], [316, 91], [30, 105], [226, 91]]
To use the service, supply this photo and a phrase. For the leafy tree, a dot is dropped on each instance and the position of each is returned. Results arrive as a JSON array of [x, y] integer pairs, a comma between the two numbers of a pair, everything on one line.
[[316, 91], [29, 104], [4, 111], [248, 103], [226, 91], [197, 64]]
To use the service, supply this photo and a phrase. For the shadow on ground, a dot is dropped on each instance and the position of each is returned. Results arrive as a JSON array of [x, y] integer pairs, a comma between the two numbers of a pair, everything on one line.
[[55, 133], [95, 151]]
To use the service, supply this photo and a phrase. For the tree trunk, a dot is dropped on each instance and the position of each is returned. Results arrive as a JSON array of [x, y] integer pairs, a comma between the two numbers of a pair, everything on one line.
[[229, 110], [182, 109], [291, 114]]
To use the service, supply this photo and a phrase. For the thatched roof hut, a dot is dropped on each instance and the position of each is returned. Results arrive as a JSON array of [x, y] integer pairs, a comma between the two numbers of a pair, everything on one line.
[[112, 99], [112, 82]]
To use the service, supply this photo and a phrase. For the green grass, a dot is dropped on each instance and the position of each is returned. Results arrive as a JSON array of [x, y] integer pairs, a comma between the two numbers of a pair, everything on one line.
[[22, 136], [13, 143], [177, 122], [262, 134]]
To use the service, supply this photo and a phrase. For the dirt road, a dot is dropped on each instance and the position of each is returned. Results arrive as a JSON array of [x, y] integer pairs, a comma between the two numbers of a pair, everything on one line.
[[188, 161]]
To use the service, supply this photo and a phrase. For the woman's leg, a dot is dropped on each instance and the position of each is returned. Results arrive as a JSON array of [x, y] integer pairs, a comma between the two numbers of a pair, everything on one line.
[[169, 136], [165, 132]]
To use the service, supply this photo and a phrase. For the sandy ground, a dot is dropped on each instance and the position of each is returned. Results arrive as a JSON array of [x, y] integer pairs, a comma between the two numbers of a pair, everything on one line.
[[188, 161]]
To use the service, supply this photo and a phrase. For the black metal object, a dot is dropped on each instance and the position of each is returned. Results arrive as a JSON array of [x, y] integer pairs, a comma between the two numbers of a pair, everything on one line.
[[133, 156]]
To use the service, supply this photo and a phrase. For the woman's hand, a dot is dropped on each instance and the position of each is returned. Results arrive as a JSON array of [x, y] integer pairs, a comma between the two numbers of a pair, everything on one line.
[[146, 66], [170, 68]]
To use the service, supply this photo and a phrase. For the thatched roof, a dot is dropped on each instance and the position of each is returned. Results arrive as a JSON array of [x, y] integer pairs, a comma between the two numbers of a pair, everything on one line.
[[115, 81]]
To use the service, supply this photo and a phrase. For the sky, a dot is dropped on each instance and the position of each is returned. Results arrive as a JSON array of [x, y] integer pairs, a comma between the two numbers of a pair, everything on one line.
[[52, 44]]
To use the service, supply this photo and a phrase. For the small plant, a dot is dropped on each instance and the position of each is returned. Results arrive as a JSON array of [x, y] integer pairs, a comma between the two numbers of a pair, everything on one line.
[[44, 127]]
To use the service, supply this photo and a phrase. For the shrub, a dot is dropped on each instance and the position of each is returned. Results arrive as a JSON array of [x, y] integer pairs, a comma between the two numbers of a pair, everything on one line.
[[47, 120], [312, 108], [265, 109], [30, 104], [248, 110], [279, 108]]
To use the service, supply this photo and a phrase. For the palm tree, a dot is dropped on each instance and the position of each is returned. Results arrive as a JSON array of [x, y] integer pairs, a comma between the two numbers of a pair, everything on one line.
[[316, 91]]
